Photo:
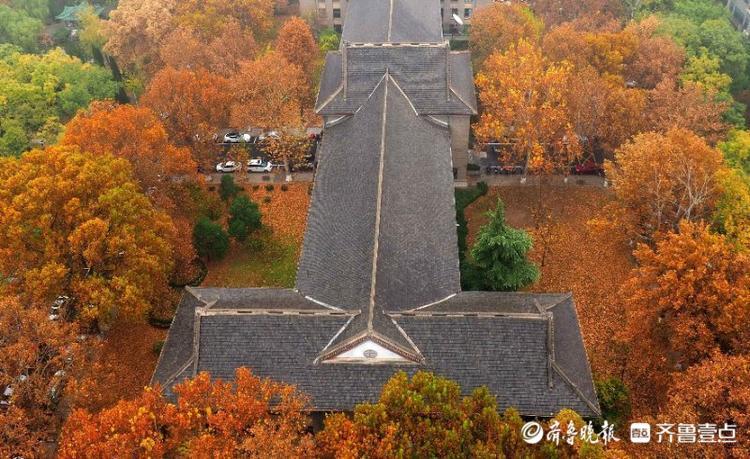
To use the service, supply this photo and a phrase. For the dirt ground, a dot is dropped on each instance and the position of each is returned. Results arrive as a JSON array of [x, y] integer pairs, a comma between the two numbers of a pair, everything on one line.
[[581, 258]]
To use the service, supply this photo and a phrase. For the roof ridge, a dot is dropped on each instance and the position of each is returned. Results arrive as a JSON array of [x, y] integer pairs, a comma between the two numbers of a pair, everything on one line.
[[378, 202], [510, 315], [594, 406]]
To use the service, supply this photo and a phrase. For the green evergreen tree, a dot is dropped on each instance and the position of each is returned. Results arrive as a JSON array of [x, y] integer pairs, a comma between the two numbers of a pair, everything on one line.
[[210, 239], [244, 217], [499, 256]]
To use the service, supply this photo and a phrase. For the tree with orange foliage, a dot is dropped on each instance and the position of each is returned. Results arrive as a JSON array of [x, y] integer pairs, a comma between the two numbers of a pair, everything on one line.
[[661, 179], [288, 149], [523, 99], [161, 170], [210, 16], [554, 12], [606, 51], [267, 93], [36, 358], [296, 43], [656, 57], [135, 31], [75, 224], [603, 112], [249, 417], [192, 105], [686, 106], [497, 26], [186, 48], [715, 391], [136, 134], [688, 298]]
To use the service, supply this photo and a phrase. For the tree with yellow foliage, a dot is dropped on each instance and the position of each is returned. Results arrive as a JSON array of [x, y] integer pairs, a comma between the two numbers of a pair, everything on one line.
[[523, 101], [497, 26], [661, 179], [76, 224]]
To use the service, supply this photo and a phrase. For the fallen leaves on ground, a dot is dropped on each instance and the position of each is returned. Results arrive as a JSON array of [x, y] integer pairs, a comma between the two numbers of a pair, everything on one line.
[[580, 259], [123, 364]]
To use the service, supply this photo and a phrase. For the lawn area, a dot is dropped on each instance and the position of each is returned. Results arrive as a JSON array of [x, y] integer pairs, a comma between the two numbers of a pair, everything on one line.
[[581, 258], [273, 262]]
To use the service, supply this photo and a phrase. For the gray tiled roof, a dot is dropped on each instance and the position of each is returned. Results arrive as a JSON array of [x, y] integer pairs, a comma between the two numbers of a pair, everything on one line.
[[505, 351], [380, 259], [177, 350], [417, 256], [423, 72], [255, 298], [462, 78], [381, 21]]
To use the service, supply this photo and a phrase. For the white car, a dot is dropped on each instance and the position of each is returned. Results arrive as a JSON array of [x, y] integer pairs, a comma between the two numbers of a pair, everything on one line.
[[232, 137], [268, 135], [258, 165], [228, 166]]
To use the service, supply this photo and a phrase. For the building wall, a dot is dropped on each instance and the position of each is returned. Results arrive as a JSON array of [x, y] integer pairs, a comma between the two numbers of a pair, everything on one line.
[[328, 13], [463, 8], [460, 126]]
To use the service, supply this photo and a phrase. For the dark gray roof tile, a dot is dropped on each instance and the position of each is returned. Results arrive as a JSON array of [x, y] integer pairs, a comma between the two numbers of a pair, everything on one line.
[[381, 21]]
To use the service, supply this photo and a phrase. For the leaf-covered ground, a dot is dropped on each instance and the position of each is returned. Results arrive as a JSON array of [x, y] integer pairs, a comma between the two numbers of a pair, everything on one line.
[[124, 361], [581, 259]]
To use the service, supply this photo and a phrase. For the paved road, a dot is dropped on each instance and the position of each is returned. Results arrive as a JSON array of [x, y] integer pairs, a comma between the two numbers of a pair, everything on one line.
[[510, 180], [491, 179]]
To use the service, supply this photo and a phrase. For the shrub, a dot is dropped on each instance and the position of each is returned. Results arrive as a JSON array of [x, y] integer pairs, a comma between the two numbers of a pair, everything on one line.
[[256, 187], [228, 189], [269, 187], [472, 167], [244, 217], [266, 199], [210, 239], [284, 187], [158, 347], [614, 399]]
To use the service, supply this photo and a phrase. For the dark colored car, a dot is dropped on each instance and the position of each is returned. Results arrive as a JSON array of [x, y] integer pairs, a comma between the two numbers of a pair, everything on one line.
[[588, 167], [506, 169]]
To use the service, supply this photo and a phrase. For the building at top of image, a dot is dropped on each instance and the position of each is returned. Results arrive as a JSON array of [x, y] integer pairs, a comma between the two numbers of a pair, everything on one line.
[[378, 283], [332, 13]]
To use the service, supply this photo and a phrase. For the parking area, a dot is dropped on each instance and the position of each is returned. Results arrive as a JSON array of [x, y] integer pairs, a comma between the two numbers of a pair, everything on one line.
[[487, 165]]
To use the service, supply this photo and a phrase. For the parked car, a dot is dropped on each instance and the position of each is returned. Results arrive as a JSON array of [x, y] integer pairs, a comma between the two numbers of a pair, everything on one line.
[[268, 135], [258, 165], [6, 398], [228, 166], [505, 169], [232, 137], [588, 167], [55, 309]]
